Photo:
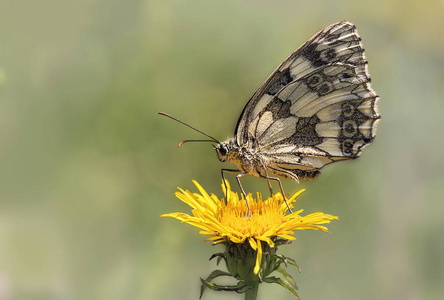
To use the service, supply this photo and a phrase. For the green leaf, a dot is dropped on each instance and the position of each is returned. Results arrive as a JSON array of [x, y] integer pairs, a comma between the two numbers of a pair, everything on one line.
[[213, 275], [240, 288], [284, 283]]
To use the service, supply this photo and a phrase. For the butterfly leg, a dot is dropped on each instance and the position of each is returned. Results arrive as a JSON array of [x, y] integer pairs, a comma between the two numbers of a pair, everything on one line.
[[269, 184], [223, 178], [238, 176], [280, 186]]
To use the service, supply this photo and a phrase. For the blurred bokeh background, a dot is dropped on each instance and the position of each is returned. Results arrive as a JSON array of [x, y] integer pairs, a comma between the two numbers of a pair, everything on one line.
[[87, 165]]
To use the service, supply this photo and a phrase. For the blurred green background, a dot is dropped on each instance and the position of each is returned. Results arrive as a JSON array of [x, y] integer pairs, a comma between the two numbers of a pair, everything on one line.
[[87, 165]]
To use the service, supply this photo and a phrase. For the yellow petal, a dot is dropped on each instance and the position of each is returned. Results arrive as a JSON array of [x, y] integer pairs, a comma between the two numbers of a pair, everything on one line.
[[258, 258]]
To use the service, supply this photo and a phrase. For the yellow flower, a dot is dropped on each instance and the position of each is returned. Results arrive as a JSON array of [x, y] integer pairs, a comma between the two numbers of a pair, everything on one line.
[[229, 221]]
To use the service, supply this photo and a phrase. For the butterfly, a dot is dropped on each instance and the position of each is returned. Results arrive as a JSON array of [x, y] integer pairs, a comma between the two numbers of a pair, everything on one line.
[[315, 109]]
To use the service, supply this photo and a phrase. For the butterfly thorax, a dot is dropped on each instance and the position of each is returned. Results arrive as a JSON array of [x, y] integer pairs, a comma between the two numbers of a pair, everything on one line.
[[247, 160]]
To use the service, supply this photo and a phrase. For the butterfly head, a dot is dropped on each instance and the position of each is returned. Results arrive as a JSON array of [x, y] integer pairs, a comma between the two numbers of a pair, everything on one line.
[[222, 151], [226, 150]]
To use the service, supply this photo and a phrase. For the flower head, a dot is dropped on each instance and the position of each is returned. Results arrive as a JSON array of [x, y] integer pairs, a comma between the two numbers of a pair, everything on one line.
[[229, 222]]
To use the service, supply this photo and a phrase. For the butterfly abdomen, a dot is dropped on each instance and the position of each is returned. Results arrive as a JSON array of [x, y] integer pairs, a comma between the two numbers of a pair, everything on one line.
[[296, 174]]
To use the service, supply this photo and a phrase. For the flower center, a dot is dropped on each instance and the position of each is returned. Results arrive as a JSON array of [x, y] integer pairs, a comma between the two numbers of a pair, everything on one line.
[[264, 216]]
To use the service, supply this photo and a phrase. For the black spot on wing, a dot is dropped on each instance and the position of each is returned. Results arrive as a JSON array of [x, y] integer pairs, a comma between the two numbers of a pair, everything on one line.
[[350, 121], [322, 84], [280, 80], [319, 58], [313, 56], [279, 108], [344, 75], [330, 54], [305, 133], [327, 46]]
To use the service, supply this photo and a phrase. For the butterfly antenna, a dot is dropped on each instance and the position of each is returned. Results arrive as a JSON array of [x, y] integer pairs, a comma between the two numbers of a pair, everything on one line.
[[186, 141]]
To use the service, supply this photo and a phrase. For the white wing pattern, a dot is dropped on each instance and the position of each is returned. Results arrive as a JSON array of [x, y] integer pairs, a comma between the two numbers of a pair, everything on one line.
[[316, 108]]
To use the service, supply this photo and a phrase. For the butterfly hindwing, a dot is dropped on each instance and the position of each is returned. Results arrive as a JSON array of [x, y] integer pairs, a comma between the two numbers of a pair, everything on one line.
[[316, 108]]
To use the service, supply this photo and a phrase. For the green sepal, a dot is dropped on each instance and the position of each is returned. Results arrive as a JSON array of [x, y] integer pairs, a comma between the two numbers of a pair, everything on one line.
[[213, 275], [285, 284], [279, 242], [292, 262], [240, 262], [287, 277], [240, 288], [288, 260], [219, 256]]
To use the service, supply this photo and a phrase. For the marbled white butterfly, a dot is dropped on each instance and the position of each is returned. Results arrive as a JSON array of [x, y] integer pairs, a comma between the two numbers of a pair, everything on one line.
[[316, 108]]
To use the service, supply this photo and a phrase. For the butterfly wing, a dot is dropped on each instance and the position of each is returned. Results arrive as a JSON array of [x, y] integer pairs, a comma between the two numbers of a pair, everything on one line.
[[316, 108]]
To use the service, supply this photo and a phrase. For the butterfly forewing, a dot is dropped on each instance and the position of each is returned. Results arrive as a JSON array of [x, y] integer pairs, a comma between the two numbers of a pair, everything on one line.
[[316, 108], [336, 43]]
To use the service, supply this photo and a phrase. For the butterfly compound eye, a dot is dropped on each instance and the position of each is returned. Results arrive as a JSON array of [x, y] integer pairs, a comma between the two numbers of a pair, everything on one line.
[[222, 151]]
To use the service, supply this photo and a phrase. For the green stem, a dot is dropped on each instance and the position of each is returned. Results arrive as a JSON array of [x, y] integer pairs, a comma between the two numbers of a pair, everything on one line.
[[251, 294]]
